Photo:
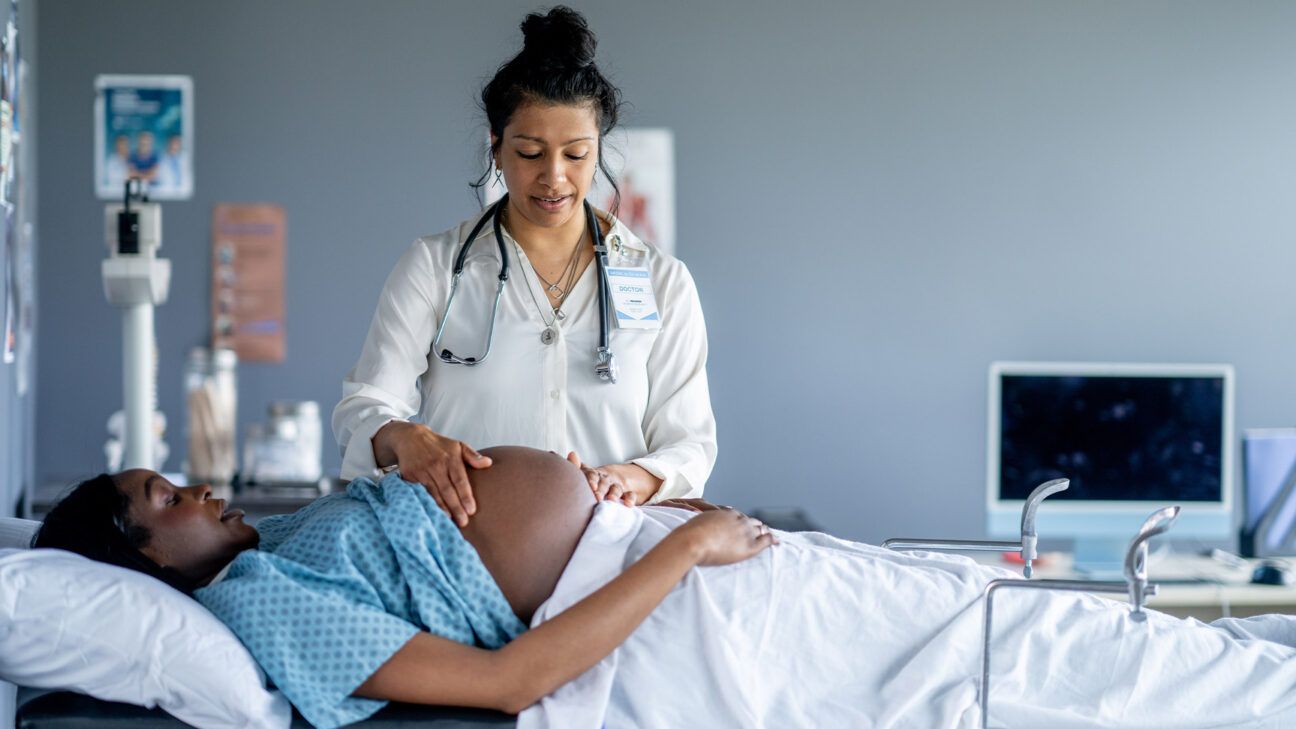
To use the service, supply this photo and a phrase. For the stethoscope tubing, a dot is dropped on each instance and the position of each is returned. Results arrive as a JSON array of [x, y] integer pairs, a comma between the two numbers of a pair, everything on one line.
[[605, 366]]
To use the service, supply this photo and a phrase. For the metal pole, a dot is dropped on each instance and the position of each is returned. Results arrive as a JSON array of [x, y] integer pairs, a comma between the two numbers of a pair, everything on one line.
[[138, 384]]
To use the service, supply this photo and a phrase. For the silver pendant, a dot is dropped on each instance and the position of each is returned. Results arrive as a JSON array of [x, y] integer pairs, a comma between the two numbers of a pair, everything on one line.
[[547, 336]]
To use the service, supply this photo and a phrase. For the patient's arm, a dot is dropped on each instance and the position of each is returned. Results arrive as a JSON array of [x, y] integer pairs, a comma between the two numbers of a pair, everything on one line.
[[434, 670]]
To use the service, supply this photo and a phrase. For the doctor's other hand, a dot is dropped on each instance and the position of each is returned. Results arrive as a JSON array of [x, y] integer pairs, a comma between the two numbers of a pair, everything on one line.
[[725, 536], [606, 484], [437, 462]]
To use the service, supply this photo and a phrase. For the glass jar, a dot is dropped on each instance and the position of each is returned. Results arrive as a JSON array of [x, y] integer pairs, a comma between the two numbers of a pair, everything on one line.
[[211, 397]]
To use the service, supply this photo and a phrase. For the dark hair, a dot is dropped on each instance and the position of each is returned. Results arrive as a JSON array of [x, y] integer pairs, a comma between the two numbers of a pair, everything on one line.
[[94, 521], [555, 66]]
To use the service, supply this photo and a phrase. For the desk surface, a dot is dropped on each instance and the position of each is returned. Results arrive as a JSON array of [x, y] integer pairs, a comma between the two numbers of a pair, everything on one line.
[[1223, 585]]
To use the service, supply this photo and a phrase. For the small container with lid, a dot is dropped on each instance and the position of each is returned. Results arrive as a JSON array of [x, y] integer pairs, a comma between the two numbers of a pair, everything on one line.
[[287, 449]]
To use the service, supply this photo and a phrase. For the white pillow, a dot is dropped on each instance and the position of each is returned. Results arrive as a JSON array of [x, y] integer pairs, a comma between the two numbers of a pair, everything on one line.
[[17, 532], [69, 622]]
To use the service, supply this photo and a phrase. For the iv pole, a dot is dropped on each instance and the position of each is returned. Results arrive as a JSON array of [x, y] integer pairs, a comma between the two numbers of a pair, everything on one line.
[[136, 280]]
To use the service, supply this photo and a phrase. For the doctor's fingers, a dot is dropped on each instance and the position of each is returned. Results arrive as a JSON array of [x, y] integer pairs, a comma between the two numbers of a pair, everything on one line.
[[472, 457], [616, 492], [453, 506], [424, 478], [605, 485], [442, 488], [458, 476]]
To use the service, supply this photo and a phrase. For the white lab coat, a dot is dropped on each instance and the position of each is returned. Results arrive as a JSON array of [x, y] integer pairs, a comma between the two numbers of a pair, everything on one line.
[[657, 415]]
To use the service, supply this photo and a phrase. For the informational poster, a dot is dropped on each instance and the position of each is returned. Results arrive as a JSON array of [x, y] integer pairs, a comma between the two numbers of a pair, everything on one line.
[[9, 107], [144, 129], [248, 259], [10, 264], [643, 163]]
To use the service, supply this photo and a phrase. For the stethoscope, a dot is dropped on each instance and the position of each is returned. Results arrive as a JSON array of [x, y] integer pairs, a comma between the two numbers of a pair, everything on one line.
[[604, 363]]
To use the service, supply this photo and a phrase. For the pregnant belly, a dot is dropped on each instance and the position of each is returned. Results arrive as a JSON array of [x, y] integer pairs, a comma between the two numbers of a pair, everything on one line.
[[532, 508]]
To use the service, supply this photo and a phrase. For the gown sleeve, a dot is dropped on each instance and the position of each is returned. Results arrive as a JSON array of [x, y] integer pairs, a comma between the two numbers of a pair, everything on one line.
[[318, 637]]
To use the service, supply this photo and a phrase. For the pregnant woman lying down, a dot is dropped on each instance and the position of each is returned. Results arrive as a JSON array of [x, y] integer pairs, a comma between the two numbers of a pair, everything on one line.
[[376, 595]]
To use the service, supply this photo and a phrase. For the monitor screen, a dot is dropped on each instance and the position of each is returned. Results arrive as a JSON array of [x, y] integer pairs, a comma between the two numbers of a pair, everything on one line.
[[1118, 437]]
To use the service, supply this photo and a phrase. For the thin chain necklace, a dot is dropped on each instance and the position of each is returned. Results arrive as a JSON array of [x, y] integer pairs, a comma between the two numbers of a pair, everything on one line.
[[562, 286], [567, 277]]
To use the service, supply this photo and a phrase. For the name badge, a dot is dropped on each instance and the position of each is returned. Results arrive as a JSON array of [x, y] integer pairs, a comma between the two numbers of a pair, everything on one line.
[[633, 297]]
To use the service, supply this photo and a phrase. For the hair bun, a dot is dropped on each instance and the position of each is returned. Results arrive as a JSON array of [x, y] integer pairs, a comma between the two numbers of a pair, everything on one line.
[[558, 39]]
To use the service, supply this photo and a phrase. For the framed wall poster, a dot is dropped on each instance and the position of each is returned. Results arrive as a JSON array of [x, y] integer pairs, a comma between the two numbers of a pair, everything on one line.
[[144, 128], [643, 162]]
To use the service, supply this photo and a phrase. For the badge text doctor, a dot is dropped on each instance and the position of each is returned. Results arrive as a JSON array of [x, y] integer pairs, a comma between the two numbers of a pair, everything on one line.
[[633, 297]]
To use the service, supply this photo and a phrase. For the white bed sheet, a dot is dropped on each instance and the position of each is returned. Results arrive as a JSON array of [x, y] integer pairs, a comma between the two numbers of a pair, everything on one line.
[[822, 632]]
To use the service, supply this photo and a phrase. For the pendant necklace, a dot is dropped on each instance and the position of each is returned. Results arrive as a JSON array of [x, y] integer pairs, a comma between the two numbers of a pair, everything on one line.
[[562, 287], [550, 332]]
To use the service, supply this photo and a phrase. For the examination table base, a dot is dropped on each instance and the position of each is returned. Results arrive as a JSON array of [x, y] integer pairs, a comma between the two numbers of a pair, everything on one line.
[[40, 709]]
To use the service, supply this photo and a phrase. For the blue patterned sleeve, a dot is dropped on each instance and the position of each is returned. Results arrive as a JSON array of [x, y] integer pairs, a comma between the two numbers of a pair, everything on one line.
[[317, 636]]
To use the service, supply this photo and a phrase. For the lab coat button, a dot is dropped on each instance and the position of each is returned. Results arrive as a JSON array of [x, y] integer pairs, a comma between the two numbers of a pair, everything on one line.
[[553, 394]]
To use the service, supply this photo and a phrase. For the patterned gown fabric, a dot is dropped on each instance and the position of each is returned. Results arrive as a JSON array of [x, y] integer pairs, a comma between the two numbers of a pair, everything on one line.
[[338, 587]]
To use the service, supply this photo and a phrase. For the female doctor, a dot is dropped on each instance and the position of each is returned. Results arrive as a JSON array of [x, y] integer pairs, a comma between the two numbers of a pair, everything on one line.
[[539, 341]]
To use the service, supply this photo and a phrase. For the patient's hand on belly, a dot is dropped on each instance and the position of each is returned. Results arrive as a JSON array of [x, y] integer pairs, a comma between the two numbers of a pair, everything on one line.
[[532, 508]]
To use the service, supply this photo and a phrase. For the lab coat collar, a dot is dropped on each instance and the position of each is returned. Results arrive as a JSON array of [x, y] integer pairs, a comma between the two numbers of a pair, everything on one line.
[[616, 227]]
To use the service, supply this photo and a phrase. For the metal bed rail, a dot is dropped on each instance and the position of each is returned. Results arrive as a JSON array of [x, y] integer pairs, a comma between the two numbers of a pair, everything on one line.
[[1135, 585], [1027, 545]]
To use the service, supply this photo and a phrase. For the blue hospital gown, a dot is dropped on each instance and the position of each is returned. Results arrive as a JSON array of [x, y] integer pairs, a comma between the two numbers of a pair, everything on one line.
[[334, 590]]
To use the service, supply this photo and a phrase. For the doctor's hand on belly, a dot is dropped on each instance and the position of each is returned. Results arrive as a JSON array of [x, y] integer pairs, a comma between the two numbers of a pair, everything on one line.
[[431, 459], [624, 482]]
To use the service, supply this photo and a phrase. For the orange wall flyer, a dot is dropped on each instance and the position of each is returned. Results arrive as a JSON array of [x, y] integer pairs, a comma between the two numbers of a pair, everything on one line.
[[248, 261]]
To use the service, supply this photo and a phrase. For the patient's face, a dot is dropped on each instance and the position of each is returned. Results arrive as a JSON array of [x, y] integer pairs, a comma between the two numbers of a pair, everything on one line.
[[190, 531]]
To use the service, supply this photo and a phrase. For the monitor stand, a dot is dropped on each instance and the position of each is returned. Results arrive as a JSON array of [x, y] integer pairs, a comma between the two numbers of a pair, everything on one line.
[[1100, 559]]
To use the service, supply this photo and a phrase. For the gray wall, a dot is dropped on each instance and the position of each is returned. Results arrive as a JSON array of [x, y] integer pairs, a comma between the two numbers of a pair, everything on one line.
[[911, 190]]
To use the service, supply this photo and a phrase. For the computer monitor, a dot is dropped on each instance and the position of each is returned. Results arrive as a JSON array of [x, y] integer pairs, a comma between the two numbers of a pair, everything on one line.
[[1131, 437]]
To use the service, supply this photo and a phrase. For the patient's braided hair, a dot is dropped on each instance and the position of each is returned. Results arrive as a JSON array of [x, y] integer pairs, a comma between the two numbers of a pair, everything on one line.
[[94, 521], [555, 66]]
